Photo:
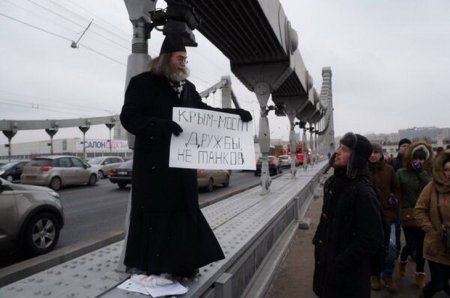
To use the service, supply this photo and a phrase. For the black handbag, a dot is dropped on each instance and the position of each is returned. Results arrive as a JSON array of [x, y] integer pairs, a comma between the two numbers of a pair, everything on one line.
[[445, 229]]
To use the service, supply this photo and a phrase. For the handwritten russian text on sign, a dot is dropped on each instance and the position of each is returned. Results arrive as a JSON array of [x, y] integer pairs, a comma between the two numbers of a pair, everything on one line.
[[211, 140]]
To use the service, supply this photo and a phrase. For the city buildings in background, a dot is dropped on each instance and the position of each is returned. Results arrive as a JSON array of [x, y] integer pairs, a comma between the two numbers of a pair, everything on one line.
[[437, 137], [71, 146]]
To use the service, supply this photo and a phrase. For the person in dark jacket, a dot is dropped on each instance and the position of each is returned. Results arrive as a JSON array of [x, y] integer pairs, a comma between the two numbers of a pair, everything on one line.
[[413, 178], [350, 231], [403, 145], [167, 233], [383, 177]]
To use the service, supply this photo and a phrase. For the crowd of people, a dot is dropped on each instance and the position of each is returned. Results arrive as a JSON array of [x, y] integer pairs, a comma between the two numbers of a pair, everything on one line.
[[368, 202]]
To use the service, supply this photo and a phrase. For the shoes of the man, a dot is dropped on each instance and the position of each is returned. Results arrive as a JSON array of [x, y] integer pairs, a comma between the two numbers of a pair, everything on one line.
[[375, 283], [390, 284], [420, 279], [402, 268]]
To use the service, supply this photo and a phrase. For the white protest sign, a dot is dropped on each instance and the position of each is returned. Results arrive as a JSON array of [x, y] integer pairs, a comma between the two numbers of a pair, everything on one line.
[[211, 140]]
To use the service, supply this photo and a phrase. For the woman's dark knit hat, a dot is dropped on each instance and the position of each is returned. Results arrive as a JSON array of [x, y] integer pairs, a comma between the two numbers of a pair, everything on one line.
[[404, 141], [361, 151], [377, 148]]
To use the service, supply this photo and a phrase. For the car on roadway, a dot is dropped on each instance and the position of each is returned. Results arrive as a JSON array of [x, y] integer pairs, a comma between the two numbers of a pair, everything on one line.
[[104, 164], [208, 179], [31, 218], [122, 175], [274, 165], [56, 171], [12, 171], [285, 161]]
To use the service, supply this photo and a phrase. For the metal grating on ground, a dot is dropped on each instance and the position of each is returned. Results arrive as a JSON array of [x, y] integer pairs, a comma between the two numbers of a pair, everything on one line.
[[85, 276]]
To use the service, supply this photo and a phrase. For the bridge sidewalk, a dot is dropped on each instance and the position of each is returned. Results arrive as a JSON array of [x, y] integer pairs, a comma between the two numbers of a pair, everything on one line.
[[294, 276]]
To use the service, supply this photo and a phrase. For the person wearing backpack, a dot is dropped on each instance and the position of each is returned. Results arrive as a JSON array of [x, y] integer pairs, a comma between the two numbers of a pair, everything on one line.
[[350, 231], [432, 211], [384, 179]]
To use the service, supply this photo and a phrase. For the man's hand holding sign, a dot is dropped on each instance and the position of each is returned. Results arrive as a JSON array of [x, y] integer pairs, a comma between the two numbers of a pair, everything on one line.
[[211, 140]]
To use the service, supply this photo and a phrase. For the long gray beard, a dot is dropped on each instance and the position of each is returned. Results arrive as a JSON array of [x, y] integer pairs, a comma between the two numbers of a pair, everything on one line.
[[178, 76]]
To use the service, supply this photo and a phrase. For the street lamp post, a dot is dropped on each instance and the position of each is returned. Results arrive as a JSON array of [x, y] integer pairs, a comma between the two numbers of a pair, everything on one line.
[[9, 134], [51, 132], [110, 125], [84, 129]]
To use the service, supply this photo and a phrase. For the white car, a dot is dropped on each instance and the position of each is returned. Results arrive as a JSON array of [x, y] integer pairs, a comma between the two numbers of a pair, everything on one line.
[[56, 171], [104, 164], [285, 161], [31, 218]]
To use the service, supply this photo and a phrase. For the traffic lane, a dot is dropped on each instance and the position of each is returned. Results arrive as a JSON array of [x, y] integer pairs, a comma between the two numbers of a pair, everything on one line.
[[91, 212], [239, 180]]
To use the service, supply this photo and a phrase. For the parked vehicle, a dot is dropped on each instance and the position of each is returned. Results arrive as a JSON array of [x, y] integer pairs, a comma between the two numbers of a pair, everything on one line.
[[285, 161], [122, 175], [58, 171], [274, 166], [31, 218], [208, 179], [12, 171], [104, 164], [299, 154]]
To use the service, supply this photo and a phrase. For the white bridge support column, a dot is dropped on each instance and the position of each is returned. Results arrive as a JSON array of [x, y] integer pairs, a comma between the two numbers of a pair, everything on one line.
[[311, 143], [262, 90], [292, 142], [305, 150], [137, 63]]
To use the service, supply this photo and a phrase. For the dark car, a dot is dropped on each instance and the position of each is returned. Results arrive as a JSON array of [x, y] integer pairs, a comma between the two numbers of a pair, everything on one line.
[[274, 166], [122, 175], [31, 218], [12, 171]]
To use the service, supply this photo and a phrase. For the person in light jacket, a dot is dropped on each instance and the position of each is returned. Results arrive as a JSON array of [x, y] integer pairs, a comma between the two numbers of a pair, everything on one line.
[[426, 212]]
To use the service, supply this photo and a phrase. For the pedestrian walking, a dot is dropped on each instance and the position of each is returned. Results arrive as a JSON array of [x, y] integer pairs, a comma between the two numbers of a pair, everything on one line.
[[383, 177], [413, 179], [398, 162], [167, 233], [350, 231], [433, 214]]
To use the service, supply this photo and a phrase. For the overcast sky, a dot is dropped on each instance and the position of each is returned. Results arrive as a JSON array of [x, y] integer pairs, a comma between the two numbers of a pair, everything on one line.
[[389, 61]]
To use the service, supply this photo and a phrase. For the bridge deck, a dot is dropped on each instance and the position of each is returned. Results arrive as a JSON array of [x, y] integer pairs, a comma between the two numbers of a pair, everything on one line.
[[247, 226]]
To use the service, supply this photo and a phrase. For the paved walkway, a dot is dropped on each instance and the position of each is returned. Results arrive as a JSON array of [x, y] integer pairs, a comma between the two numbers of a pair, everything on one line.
[[294, 276]]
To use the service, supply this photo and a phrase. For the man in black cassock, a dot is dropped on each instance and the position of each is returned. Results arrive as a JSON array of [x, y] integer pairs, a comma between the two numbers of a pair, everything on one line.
[[168, 233]]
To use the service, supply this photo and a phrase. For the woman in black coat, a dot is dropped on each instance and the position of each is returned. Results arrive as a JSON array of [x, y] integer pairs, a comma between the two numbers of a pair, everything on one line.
[[167, 232]]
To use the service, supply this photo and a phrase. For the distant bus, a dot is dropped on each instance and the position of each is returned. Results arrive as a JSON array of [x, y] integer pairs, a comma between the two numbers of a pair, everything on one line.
[[299, 154]]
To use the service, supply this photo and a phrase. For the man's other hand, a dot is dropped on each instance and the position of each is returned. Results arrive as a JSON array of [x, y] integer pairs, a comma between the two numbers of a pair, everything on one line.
[[175, 128], [245, 115]]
